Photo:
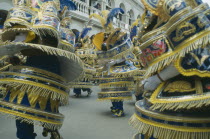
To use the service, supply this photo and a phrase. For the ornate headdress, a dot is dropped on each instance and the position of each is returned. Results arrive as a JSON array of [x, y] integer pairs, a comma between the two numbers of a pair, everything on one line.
[[114, 42]]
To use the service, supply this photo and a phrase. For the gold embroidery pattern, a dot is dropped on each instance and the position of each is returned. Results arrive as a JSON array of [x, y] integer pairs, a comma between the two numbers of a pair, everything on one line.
[[183, 30], [179, 86]]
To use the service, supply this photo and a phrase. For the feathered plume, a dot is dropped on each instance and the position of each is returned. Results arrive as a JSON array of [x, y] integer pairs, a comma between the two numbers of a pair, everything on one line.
[[113, 13], [99, 17], [85, 31], [105, 13], [69, 4], [106, 18]]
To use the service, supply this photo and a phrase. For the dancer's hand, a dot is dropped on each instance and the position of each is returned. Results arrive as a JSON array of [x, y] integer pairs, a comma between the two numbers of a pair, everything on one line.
[[21, 37], [151, 83]]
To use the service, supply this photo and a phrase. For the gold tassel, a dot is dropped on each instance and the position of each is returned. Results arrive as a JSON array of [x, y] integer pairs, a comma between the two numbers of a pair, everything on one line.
[[164, 133], [63, 98], [175, 106], [34, 122]]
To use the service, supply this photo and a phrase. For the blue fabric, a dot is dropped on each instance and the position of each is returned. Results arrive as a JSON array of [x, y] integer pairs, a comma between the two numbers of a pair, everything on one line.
[[45, 62], [113, 13], [114, 105], [143, 137], [118, 105], [77, 91], [139, 97], [25, 130], [199, 2]]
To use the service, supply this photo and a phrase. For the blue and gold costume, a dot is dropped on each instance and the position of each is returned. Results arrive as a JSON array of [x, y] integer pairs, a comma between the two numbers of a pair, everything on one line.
[[86, 51], [38, 41], [114, 53], [175, 37]]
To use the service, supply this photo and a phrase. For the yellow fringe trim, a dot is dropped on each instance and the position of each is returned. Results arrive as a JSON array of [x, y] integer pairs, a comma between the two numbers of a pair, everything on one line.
[[115, 99], [46, 30], [81, 86], [155, 130], [118, 84], [63, 98], [30, 121], [17, 21], [175, 106], [6, 67], [126, 74], [64, 45]]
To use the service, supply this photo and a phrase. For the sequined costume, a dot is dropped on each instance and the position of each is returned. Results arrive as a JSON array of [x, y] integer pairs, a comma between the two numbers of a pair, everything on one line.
[[114, 51], [175, 54], [42, 62]]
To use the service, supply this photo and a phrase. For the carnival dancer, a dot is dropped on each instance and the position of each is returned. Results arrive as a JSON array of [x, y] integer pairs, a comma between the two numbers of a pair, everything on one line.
[[86, 51], [175, 54], [40, 66], [114, 47]]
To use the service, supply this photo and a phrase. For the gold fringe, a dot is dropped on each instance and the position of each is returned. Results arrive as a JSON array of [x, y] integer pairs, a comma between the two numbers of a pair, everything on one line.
[[81, 86], [164, 133], [34, 122], [126, 74], [37, 90], [91, 56], [108, 85], [17, 21], [5, 67], [64, 45], [120, 55], [116, 99], [78, 84], [44, 30], [202, 42], [181, 105], [84, 77]]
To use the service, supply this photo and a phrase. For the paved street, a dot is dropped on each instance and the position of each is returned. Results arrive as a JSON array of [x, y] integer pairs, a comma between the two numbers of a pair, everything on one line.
[[86, 118]]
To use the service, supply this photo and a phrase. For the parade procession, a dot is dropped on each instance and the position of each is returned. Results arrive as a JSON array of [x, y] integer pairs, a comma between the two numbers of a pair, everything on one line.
[[96, 69]]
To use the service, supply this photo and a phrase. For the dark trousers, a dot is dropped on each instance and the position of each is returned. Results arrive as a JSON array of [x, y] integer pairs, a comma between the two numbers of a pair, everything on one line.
[[25, 130], [118, 105], [143, 137], [139, 97]]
